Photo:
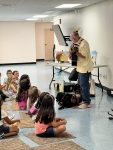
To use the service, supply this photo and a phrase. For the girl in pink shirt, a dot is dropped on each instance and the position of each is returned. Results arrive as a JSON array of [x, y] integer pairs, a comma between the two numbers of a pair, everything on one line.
[[46, 125], [22, 95]]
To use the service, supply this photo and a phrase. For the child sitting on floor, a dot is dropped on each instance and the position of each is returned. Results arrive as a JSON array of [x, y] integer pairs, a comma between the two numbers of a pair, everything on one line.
[[6, 130], [16, 74], [33, 95], [1, 89], [12, 88], [39, 102], [22, 95], [46, 124], [7, 82], [36, 106]]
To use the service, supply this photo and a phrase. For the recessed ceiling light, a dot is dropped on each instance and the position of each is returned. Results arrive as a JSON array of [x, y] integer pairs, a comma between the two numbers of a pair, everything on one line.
[[31, 19], [67, 5], [40, 16]]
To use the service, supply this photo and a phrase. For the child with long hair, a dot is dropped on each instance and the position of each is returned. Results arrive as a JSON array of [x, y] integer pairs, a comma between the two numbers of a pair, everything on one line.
[[22, 95], [39, 102], [24, 76], [33, 95], [36, 106], [46, 124]]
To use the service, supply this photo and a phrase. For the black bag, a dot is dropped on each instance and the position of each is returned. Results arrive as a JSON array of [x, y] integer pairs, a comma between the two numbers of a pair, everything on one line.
[[73, 75], [67, 100], [64, 100], [59, 97]]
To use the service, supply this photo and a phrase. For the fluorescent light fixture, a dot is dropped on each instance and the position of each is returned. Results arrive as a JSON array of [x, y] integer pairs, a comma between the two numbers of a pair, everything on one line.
[[31, 19], [40, 16], [67, 5]]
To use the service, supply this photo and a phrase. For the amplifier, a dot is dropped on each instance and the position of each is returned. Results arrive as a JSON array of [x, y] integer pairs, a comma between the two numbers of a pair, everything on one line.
[[69, 87]]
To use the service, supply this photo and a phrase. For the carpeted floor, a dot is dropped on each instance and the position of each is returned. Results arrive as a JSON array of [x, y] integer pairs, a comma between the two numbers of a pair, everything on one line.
[[42, 141], [68, 145], [5, 107], [13, 144], [17, 144], [25, 121], [13, 106]]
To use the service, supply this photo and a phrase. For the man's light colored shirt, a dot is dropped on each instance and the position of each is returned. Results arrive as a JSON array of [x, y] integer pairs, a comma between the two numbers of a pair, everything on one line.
[[84, 65]]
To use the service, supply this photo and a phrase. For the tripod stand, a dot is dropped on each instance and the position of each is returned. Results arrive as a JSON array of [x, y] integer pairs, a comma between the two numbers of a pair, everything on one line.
[[53, 67], [110, 115]]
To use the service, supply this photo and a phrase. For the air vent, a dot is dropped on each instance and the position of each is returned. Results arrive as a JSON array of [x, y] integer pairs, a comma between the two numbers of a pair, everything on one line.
[[6, 5]]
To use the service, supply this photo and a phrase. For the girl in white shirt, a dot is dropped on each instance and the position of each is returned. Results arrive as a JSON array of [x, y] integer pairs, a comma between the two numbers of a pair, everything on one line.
[[10, 129]]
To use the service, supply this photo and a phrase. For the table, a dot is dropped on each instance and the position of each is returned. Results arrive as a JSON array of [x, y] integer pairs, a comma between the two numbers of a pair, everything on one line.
[[68, 65]]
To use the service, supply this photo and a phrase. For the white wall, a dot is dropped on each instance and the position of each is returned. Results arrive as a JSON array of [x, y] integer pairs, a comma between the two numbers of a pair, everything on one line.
[[17, 42], [96, 25]]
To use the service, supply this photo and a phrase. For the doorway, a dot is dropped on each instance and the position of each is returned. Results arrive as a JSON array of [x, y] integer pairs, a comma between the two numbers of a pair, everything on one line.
[[49, 43]]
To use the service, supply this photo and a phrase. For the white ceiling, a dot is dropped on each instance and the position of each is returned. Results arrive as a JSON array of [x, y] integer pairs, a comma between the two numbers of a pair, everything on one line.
[[19, 10]]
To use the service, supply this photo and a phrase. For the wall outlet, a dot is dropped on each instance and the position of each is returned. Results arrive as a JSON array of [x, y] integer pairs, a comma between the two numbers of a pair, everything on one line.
[[105, 76], [100, 75]]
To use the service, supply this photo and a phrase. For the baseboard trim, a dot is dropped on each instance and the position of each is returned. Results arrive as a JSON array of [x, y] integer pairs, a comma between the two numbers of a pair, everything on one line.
[[39, 59], [22, 63]]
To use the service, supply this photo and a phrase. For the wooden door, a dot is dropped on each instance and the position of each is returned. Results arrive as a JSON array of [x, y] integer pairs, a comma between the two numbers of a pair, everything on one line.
[[49, 43]]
